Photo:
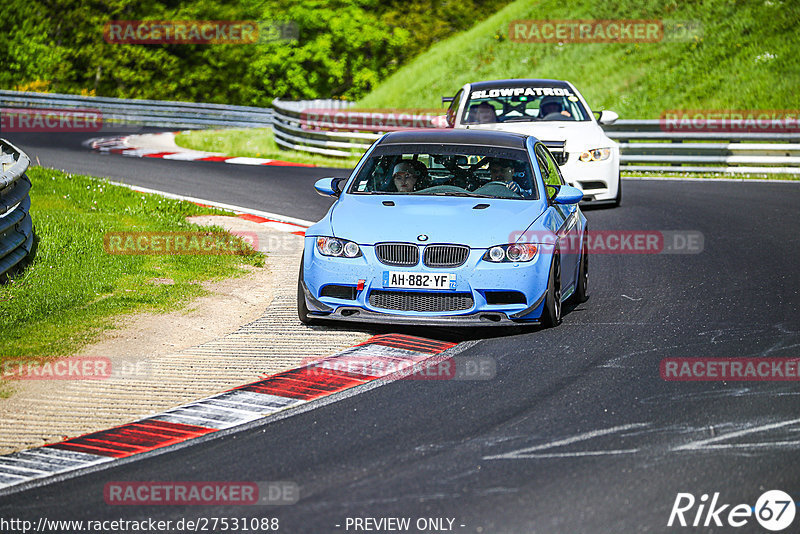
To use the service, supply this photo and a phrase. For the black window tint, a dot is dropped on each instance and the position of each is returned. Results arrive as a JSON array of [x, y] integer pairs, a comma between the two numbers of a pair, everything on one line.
[[540, 160]]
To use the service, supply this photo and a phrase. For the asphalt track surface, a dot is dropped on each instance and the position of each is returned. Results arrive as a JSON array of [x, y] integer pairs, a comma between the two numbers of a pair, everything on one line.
[[267, 188], [577, 432]]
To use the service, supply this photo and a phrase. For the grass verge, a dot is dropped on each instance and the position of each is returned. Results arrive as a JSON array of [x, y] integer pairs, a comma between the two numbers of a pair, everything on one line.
[[73, 289], [255, 143]]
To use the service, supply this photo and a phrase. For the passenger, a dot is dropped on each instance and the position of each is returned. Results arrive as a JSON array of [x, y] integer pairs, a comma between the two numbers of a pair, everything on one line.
[[424, 179], [551, 108], [482, 113], [405, 176]]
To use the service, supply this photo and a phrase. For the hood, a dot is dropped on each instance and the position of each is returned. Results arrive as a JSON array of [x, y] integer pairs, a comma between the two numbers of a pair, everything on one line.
[[579, 135], [366, 220]]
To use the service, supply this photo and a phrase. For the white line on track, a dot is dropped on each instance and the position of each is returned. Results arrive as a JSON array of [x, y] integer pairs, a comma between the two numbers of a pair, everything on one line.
[[230, 207], [530, 452], [706, 443], [241, 160], [738, 180]]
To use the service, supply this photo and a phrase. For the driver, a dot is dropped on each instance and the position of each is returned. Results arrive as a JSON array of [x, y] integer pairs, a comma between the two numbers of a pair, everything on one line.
[[502, 170], [405, 176], [552, 105]]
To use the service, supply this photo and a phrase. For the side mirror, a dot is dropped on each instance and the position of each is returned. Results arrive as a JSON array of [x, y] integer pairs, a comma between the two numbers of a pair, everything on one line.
[[568, 195], [328, 187], [607, 117]]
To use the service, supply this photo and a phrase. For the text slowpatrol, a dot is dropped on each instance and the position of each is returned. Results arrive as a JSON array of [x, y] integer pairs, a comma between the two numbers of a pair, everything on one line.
[[521, 91]]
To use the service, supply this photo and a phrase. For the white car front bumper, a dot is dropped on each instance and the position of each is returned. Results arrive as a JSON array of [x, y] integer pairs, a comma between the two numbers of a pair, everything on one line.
[[599, 180]]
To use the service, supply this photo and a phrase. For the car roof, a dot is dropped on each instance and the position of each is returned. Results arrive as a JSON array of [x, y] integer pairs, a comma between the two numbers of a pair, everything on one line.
[[495, 84], [457, 137]]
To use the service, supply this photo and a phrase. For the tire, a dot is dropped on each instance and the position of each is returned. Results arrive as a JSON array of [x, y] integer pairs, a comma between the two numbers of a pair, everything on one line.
[[551, 314], [581, 294], [618, 198], [302, 308]]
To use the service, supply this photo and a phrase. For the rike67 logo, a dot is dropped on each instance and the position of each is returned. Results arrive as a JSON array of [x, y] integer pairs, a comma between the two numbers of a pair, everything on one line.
[[774, 511]]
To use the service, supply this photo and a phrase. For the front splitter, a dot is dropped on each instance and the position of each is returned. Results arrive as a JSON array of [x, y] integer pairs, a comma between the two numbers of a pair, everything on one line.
[[360, 315]]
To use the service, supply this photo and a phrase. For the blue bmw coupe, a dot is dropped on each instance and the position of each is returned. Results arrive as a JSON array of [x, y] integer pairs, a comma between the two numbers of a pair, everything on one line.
[[445, 227]]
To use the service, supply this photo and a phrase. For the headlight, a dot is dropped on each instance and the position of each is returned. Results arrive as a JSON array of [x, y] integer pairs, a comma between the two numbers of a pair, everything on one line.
[[331, 246], [496, 254], [596, 154], [516, 252]]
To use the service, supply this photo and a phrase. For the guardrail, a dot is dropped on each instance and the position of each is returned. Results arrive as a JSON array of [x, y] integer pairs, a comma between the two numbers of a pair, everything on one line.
[[17, 240], [644, 145], [131, 112], [287, 127]]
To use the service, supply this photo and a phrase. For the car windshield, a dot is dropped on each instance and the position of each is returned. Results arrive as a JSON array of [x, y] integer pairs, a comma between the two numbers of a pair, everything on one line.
[[446, 170], [523, 104]]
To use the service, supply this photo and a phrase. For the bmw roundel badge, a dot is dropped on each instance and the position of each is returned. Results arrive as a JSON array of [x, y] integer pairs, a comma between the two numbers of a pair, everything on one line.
[[422, 237]]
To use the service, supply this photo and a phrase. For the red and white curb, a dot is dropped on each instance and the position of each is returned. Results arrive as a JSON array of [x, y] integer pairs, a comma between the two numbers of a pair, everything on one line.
[[130, 146], [275, 221], [384, 357]]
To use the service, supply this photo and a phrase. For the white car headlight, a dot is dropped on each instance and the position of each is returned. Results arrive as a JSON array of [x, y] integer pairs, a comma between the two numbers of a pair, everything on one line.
[[331, 246], [595, 154]]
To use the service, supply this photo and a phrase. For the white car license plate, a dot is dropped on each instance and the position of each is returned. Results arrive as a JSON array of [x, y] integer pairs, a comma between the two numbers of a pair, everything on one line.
[[409, 280]]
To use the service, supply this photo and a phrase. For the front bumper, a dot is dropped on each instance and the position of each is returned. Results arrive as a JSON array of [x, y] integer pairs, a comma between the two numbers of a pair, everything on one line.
[[599, 180], [476, 278]]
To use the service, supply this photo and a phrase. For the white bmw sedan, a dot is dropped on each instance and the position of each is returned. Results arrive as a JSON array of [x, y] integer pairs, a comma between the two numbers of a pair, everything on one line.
[[554, 112]]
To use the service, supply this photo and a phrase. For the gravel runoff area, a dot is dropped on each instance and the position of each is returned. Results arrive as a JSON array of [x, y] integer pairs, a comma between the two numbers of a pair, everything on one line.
[[246, 328]]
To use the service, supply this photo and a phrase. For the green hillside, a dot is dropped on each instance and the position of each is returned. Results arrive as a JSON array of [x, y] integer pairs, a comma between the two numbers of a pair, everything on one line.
[[744, 58]]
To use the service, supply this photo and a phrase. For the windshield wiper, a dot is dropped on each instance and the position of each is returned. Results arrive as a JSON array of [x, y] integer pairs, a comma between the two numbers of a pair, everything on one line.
[[459, 194]]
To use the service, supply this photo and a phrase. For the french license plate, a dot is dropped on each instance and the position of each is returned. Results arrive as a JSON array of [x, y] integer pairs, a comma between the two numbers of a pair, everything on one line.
[[409, 280]]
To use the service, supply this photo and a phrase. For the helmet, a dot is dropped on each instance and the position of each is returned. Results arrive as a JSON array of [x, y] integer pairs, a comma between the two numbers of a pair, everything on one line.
[[550, 101], [407, 166]]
